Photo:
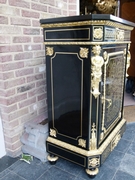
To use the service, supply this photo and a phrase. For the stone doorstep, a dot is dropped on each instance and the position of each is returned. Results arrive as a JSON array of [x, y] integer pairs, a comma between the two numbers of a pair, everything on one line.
[[34, 138]]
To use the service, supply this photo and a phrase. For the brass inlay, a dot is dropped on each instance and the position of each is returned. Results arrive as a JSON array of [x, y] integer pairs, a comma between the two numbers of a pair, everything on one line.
[[94, 162], [98, 32], [128, 56], [82, 143], [86, 43], [115, 141], [84, 52], [97, 62], [91, 152], [106, 59], [92, 172], [91, 22], [52, 132], [93, 140], [120, 35], [49, 51]]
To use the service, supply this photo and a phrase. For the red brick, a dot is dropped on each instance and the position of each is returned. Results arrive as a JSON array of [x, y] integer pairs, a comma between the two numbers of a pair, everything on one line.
[[38, 39], [39, 54], [21, 39], [24, 72], [5, 40], [36, 91], [20, 21], [30, 14], [34, 77], [18, 114], [5, 58], [3, 1], [31, 31], [12, 139], [10, 48], [16, 99], [13, 146], [25, 88], [9, 10], [11, 66], [19, 3], [40, 83], [39, 7], [27, 102], [35, 23], [54, 10], [3, 20], [72, 1], [34, 62], [10, 30], [42, 96], [15, 82], [24, 55], [7, 93], [72, 7], [48, 2], [9, 109], [32, 47], [6, 75]]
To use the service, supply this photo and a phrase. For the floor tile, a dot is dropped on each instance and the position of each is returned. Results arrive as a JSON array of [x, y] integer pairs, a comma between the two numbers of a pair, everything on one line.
[[120, 175], [128, 164], [54, 173], [68, 166], [114, 159], [30, 171], [6, 161], [123, 145], [105, 173], [12, 176], [131, 149]]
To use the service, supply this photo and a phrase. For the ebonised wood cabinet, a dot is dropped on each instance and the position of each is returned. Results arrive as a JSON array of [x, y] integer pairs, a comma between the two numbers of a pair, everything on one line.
[[86, 58]]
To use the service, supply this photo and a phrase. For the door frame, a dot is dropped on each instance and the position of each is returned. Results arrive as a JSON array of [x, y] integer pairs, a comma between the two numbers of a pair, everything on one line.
[[2, 144]]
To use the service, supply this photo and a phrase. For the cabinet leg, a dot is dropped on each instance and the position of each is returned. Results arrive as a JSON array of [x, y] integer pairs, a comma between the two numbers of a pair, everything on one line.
[[52, 159], [92, 172]]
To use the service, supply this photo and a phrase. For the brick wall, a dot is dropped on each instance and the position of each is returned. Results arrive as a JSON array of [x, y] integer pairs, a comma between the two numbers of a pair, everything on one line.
[[22, 64]]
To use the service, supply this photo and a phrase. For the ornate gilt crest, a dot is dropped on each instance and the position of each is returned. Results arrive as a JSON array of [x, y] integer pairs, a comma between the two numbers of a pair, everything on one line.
[[82, 142], [94, 162], [84, 52], [98, 33], [52, 132], [93, 140], [49, 51]]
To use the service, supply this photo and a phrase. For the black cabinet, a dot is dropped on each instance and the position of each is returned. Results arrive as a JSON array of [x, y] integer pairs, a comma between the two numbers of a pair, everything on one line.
[[86, 59]]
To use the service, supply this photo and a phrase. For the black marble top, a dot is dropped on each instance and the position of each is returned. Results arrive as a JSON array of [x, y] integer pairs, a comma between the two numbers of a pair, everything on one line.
[[85, 18]]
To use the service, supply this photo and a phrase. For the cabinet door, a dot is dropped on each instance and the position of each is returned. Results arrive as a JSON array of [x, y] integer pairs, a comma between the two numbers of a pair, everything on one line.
[[113, 88], [68, 93]]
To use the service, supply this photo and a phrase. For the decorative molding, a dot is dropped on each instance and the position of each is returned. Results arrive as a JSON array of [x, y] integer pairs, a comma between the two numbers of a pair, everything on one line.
[[97, 62], [49, 51], [84, 52], [52, 132], [82, 143]]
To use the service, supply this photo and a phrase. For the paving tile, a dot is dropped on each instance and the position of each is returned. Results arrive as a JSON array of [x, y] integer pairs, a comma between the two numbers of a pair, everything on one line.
[[12, 176], [6, 161], [123, 145], [55, 173], [131, 149], [128, 164], [68, 166], [120, 175], [29, 171], [105, 173], [114, 159], [5, 172]]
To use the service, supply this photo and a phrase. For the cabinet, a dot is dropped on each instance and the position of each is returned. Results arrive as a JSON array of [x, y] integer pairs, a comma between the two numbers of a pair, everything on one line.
[[86, 59]]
